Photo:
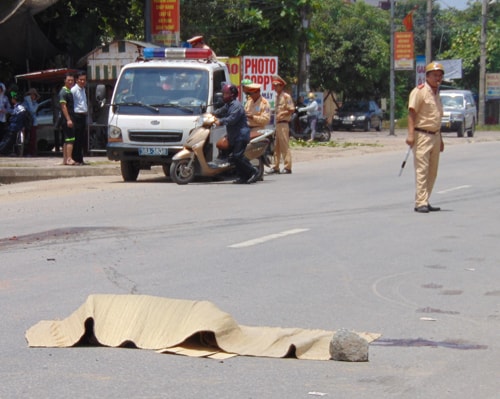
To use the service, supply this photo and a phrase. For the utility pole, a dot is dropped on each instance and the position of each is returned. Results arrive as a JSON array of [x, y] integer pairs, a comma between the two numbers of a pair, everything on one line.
[[392, 85], [428, 33], [304, 59], [482, 65]]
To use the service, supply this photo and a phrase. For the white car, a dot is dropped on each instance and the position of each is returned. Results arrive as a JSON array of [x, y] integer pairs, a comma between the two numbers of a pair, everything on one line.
[[45, 132], [459, 112]]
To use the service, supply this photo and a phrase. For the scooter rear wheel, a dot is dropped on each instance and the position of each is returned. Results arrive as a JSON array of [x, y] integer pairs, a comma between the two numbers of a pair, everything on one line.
[[258, 163], [181, 172]]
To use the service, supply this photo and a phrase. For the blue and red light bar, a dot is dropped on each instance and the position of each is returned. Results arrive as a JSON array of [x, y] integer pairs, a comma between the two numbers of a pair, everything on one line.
[[177, 53]]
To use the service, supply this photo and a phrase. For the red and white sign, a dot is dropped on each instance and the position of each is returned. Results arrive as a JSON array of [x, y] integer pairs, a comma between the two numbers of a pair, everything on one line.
[[165, 22], [403, 51], [261, 70]]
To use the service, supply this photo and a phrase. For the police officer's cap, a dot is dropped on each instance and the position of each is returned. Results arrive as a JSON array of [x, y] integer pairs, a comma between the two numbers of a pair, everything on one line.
[[278, 80], [434, 66]]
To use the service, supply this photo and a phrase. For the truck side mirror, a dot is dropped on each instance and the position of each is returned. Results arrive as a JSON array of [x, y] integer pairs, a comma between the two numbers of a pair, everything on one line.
[[100, 94], [218, 100]]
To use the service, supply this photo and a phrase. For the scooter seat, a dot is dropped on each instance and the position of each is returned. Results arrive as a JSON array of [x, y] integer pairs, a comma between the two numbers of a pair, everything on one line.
[[254, 134]]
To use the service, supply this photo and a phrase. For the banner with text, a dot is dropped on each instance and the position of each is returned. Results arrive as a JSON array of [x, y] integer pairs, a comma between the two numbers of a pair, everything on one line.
[[165, 22], [403, 51]]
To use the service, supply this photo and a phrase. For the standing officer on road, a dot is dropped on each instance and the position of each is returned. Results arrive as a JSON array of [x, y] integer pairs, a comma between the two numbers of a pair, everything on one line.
[[284, 110], [424, 136]]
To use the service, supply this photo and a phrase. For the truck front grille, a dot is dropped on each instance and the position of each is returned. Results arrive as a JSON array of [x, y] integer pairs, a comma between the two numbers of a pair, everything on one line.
[[155, 136]]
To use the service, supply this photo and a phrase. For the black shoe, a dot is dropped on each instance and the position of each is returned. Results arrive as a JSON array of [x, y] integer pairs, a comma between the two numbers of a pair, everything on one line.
[[254, 177], [239, 181], [286, 172], [433, 208], [422, 209]]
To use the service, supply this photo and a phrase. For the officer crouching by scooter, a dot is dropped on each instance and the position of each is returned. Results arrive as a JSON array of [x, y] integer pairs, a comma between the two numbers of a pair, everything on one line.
[[312, 114], [232, 115]]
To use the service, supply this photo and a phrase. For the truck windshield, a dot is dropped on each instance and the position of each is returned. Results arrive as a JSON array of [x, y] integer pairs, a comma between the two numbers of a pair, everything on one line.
[[167, 91]]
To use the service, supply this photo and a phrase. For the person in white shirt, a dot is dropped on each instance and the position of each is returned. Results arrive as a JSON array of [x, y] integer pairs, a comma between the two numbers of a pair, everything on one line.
[[81, 115], [312, 114]]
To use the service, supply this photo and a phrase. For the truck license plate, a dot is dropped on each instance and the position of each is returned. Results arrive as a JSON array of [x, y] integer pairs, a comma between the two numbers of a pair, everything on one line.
[[152, 151]]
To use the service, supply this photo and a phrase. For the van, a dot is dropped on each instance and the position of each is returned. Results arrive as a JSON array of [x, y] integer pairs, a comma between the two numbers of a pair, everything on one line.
[[157, 102], [459, 112]]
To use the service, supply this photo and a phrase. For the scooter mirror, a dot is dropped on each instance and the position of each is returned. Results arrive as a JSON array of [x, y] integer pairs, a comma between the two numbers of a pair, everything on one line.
[[218, 100], [100, 93]]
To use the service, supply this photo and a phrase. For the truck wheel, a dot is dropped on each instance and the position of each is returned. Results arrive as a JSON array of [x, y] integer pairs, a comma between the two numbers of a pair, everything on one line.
[[368, 126], [461, 130], [181, 172], [470, 133], [130, 171], [166, 169]]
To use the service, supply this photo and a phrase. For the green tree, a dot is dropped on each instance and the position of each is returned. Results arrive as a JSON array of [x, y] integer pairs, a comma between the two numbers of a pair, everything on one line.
[[465, 31], [78, 26], [350, 51]]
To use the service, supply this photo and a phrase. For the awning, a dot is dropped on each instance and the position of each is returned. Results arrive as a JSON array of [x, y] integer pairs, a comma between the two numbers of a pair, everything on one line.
[[47, 75]]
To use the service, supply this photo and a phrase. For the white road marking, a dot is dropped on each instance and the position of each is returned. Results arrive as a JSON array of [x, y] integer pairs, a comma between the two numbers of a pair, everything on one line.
[[269, 237], [453, 189]]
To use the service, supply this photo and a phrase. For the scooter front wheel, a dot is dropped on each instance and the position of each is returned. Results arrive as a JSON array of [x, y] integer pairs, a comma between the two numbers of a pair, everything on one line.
[[181, 172], [325, 135]]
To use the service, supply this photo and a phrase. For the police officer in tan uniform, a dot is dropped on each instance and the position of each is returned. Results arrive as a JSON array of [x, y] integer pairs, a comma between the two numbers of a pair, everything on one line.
[[257, 107], [424, 136], [284, 110], [199, 42]]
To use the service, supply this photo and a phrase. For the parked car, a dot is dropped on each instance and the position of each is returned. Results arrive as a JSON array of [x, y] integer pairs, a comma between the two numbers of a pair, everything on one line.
[[459, 112], [363, 115], [45, 130]]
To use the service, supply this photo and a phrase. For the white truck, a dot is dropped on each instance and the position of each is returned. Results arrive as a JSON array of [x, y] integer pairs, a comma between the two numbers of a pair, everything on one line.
[[157, 102]]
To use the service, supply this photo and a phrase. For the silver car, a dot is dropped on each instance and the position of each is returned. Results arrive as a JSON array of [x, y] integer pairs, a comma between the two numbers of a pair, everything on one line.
[[459, 112]]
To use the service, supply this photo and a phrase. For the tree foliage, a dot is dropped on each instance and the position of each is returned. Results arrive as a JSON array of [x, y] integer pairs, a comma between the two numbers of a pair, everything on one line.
[[350, 52], [78, 26], [349, 43]]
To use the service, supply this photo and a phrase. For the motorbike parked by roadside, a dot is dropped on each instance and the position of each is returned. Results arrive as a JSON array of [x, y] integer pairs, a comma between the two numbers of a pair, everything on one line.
[[300, 129], [199, 155]]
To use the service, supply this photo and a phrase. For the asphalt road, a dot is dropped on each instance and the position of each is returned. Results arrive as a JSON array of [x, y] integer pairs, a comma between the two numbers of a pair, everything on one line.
[[360, 259]]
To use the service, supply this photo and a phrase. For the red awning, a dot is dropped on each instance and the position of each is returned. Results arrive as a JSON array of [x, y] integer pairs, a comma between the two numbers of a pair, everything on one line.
[[47, 76]]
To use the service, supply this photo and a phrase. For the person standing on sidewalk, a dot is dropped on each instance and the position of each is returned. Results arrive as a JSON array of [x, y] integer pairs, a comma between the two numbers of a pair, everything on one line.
[[424, 137], [31, 104], [66, 103], [81, 115], [284, 110]]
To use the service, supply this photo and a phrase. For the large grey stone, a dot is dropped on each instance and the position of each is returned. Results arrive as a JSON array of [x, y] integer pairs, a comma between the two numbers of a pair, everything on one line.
[[348, 346]]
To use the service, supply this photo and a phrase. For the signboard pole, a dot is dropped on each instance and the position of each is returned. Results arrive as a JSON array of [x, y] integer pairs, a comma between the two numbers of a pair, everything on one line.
[[391, 76]]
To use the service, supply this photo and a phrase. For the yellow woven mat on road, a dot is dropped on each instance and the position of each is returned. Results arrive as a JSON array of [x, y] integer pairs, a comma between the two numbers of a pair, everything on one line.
[[191, 328]]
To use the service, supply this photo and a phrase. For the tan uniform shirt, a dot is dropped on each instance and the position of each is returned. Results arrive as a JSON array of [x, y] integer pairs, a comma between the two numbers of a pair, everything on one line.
[[284, 107], [260, 111], [427, 106]]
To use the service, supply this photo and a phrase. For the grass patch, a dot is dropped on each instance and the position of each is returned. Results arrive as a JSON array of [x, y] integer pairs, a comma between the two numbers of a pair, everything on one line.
[[334, 144]]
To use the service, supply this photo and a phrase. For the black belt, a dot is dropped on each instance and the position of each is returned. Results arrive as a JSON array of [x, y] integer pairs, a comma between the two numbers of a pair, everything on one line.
[[424, 131], [282, 122]]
